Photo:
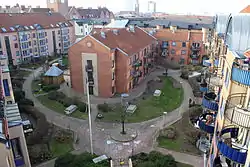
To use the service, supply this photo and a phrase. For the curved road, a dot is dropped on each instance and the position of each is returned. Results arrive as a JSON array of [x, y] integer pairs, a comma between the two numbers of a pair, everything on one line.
[[102, 131]]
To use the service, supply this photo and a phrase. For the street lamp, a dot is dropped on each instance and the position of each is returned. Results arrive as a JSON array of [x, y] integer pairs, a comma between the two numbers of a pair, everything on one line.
[[124, 108], [89, 115]]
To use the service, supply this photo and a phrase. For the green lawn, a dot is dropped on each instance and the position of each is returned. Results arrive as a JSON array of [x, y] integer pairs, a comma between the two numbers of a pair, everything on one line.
[[31, 65], [183, 165], [58, 107], [152, 107], [65, 61], [185, 138], [23, 73], [35, 86], [58, 149]]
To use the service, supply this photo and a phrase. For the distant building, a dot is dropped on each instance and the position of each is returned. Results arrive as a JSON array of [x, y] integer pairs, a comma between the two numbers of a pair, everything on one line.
[[151, 6], [112, 61], [33, 35]]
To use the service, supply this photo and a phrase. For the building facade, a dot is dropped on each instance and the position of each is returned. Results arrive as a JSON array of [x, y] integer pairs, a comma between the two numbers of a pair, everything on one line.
[[229, 132], [13, 147], [28, 36], [111, 61]]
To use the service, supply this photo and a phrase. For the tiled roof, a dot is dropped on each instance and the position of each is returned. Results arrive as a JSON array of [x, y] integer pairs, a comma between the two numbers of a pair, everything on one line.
[[167, 35], [127, 41], [29, 19], [246, 9]]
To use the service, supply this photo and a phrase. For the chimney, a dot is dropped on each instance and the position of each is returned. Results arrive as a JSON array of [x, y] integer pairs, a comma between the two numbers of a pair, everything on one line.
[[103, 35], [131, 28], [115, 31], [22, 7]]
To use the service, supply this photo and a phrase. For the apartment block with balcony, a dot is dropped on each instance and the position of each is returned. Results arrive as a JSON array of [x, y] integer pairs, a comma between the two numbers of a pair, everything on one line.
[[13, 147], [230, 144], [181, 45], [113, 61], [33, 35]]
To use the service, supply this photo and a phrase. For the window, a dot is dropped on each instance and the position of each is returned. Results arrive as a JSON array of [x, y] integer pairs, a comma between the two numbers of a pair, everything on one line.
[[17, 53], [81, 30], [16, 45], [35, 49], [6, 87], [34, 42], [183, 44], [173, 51], [113, 89], [30, 50], [16, 148], [14, 37], [59, 44], [183, 52], [45, 33], [113, 75], [58, 32], [29, 43], [226, 78], [173, 43], [34, 35], [1, 52], [113, 63], [89, 62], [46, 40]]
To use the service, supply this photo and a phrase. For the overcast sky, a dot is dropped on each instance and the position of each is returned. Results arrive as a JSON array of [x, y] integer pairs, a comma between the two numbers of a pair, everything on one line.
[[169, 6]]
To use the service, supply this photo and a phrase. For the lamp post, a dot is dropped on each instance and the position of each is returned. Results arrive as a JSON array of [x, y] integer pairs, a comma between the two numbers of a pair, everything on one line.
[[89, 115], [124, 108]]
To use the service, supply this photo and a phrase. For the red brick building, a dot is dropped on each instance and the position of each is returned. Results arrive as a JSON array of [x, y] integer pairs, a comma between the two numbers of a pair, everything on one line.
[[181, 45], [113, 61]]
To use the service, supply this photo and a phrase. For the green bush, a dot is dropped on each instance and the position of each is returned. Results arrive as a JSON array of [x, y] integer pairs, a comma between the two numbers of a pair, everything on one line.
[[19, 94], [54, 95], [26, 102], [51, 87], [67, 102], [82, 107], [103, 107]]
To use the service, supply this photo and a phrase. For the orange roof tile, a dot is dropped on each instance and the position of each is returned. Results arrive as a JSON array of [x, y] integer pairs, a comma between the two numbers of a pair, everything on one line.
[[129, 42], [29, 19], [246, 9]]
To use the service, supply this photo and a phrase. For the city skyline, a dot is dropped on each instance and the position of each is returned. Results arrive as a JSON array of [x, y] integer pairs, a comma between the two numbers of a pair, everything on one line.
[[191, 6]]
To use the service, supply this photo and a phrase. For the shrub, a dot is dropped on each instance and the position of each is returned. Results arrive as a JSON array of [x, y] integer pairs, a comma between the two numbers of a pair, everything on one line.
[[54, 95], [39, 153], [82, 107], [103, 107], [42, 125], [19, 94], [51, 87], [26, 102], [17, 83], [67, 102]]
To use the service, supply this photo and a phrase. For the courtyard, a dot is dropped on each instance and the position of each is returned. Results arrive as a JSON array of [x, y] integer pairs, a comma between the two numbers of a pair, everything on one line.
[[148, 106]]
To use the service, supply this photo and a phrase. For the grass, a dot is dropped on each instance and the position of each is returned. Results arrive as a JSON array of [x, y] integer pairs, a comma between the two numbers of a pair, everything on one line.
[[65, 61], [183, 165], [152, 107], [31, 65], [58, 148], [35, 86], [23, 73], [186, 136], [58, 107]]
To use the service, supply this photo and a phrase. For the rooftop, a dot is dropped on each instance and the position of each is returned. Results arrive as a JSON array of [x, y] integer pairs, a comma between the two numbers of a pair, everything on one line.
[[128, 40], [53, 72], [30, 21]]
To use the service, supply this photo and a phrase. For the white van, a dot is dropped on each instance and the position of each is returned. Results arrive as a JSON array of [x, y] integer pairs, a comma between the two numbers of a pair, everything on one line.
[[70, 109]]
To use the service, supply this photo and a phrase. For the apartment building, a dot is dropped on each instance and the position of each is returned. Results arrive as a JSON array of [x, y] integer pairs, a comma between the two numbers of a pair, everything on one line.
[[113, 61], [183, 39], [229, 121], [26, 36], [13, 147]]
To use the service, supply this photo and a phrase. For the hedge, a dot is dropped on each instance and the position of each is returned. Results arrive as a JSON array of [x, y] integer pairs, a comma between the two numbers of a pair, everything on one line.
[[48, 88], [26, 102]]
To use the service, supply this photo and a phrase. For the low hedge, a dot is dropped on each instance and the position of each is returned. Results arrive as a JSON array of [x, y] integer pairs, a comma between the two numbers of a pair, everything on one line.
[[26, 102], [48, 88], [66, 101]]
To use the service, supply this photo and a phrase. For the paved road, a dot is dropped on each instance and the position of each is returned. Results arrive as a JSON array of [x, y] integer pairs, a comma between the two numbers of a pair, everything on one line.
[[101, 131]]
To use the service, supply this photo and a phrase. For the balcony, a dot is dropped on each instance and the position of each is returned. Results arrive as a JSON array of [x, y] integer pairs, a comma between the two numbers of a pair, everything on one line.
[[137, 63], [235, 111], [195, 48], [203, 87], [206, 122], [214, 80], [229, 148], [89, 68], [208, 101], [91, 80], [136, 74], [241, 75]]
